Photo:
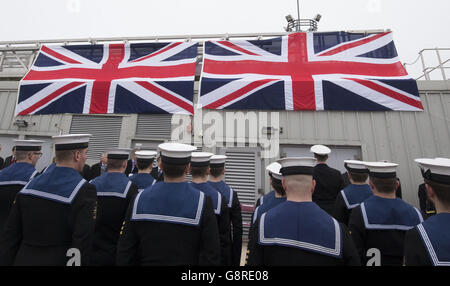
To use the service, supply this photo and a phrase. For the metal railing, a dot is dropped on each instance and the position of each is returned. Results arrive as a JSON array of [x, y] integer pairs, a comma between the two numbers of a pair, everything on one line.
[[442, 65], [296, 25], [16, 57]]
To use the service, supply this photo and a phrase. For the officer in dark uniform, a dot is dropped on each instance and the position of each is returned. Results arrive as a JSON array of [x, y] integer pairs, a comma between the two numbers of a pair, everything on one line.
[[429, 243], [100, 167], [297, 231], [171, 222], [114, 193], [52, 219], [378, 225], [143, 178], [10, 159], [328, 180], [132, 167], [355, 193], [216, 176], [14, 177], [200, 170], [156, 170]]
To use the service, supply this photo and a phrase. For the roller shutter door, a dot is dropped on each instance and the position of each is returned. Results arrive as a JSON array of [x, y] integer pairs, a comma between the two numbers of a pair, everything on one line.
[[154, 126], [105, 131]]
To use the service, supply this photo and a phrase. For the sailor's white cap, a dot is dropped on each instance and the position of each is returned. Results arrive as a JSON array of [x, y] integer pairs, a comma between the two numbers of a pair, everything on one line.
[[436, 170], [443, 159], [382, 169], [320, 150], [28, 145], [176, 153], [71, 141], [200, 159], [218, 161], [274, 170], [119, 153], [297, 165], [355, 166], [145, 154]]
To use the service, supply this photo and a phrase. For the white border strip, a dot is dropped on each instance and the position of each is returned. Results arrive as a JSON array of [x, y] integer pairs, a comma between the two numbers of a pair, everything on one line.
[[170, 219], [54, 196]]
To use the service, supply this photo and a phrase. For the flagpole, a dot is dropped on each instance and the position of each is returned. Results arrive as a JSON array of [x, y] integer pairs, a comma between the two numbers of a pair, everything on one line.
[[298, 14]]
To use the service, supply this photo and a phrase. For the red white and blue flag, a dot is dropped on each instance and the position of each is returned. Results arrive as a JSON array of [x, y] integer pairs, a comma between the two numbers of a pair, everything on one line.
[[110, 78], [308, 71]]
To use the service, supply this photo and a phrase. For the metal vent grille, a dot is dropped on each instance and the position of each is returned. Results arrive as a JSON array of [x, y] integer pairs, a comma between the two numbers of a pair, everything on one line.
[[155, 126], [240, 174], [105, 132]]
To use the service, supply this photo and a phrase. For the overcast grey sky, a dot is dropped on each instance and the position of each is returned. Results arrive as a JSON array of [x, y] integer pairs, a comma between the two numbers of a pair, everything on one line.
[[416, 24]]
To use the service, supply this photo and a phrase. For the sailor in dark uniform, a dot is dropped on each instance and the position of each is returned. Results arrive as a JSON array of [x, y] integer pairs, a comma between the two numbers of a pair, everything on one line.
[[355, 193], [171, 222], [114, 193], [328, 180], [297, 231], [378, 225], [14, 177], [265, 198], [280, 194], [426, 205], [200, 170], [216, 176], [52, 219], [143, 178], [428, 244]]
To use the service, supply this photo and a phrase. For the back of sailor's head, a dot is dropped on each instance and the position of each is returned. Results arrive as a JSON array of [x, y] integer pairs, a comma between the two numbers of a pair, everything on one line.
[[175, 158], [436, 174], [383, 176], [297, 174]]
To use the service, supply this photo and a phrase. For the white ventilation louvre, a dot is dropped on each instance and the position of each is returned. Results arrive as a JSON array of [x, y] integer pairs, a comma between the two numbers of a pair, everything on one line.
[[105, 132], [240, 174], [154, 126]]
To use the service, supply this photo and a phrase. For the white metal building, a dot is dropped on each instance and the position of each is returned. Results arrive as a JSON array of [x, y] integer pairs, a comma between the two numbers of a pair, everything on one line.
[[372, 136]]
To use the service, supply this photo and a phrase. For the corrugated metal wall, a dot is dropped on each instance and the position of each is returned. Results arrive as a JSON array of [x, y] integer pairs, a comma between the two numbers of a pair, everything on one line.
[[396, 136], [399, 137]]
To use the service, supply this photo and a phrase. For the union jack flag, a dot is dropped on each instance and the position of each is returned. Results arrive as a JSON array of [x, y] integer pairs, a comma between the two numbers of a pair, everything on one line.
[[110, 78], [308, 71]]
